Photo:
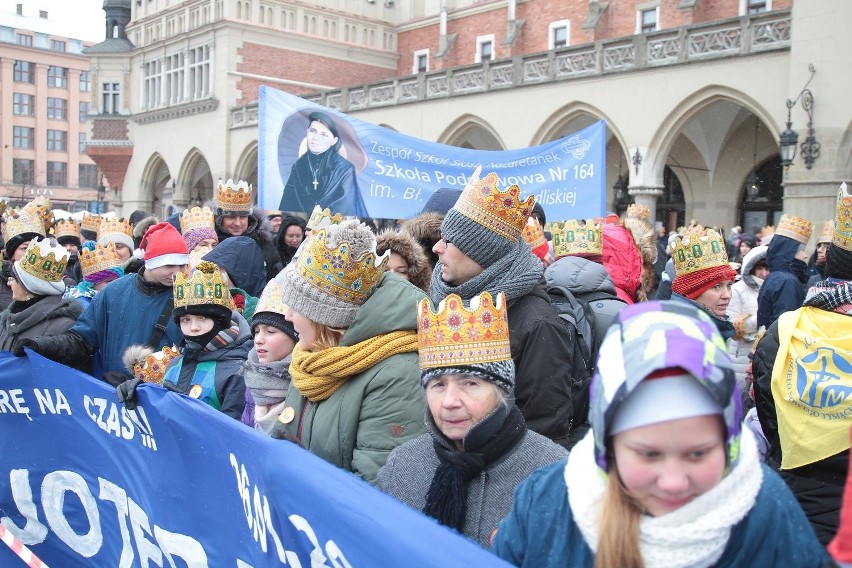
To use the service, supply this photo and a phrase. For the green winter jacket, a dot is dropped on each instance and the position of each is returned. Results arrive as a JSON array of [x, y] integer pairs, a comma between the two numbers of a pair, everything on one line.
[[376, 410]]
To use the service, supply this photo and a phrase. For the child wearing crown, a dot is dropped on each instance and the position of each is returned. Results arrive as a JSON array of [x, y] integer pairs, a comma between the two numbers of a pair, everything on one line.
[[100, 265], [216, 342]]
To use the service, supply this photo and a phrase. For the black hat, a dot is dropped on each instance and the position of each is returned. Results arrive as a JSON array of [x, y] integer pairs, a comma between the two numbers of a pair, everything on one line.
[[275, 320], [325, 119], [219, 314]]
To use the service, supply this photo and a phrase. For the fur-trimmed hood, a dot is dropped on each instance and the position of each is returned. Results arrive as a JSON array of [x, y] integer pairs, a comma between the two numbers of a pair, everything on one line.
[[259, 228], [142, 226], [404, 244], [646, 241], [426, 230]]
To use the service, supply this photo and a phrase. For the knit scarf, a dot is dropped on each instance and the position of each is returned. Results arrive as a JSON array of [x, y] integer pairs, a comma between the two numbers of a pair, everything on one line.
[[223, 338], [268, 382], [319, 374], [486, 442], [694, 535], [831, 295], [515, 274]]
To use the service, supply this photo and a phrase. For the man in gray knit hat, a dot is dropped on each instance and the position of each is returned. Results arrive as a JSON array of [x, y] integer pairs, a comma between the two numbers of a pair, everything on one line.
[[482, 250]]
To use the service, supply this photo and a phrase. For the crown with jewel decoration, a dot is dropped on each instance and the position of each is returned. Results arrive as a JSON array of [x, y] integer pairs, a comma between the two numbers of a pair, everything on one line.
[[204, 286], [90, 223], [196, 218], [533, 234], [796, 228], [44, 260], [333, 270], [323, 219], [234, 197], [149, 365], [500, 211], [827, 232], [843, 219], [271, 299], [638, 211], [68, 228], [110, 228], [458, 335], [695, 252], [19, 222], [41, 208], [572, 238], [100, 259]]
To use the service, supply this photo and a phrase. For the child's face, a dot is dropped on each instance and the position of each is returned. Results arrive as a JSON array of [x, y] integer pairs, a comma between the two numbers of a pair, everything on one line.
[[271, 344], [666, 465], [192, 325]]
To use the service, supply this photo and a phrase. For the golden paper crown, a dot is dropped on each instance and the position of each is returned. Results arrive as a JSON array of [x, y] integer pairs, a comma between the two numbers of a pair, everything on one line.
[[270, 299], [196, 218], [90, 223], [533, 234], [44, 261], [114, 227], [696, 253], [323, 219], [767, 230], [499, 211], [152, 368], [68, 228], [843, 219], [457, 335], [19, 222], [827, 232], [41, 208], [205, 286], [99, 259], [571, 238], [638, 211], [795, 228], [335, 272], [234, 196]]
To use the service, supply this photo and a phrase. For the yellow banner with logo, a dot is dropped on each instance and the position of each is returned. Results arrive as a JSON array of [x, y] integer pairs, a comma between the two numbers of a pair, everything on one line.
[[812, 385]]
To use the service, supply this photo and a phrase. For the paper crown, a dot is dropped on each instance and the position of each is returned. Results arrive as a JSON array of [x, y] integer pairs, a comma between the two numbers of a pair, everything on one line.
[[234, 196], [109, 227], [100, 259], [534, 236], [196, 218], [695, 252], [766, 231], [44, 261], [270, 299], [90, 223], [638, 211], [68, 228], [323, 219], [827, 233], [457, 335], [204, 286], [19, 222], [149, 365], [571, 238], [795, 228], [843, 219], [499, 211], [41, 208], [335, 272]]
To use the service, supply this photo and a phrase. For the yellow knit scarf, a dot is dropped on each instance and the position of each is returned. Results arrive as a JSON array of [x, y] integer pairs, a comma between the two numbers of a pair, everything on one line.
[[318, 375]]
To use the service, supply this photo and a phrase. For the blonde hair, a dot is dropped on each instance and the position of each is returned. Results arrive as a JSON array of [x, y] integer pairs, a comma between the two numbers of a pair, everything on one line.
[[326, 336], [618, 533]]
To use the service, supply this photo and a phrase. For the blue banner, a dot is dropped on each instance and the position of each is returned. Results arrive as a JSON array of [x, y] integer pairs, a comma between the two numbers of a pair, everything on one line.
[[85, 482], [361, 169]]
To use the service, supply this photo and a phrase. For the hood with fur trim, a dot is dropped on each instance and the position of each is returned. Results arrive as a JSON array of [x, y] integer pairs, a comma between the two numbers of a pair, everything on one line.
[[402, 243], [142, 226], [426, 230]]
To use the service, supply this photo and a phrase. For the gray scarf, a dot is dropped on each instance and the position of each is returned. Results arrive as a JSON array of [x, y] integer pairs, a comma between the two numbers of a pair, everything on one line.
[[515, 274], [268, 382]]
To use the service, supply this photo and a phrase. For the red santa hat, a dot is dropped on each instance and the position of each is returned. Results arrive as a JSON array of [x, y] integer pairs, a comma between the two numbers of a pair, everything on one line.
[[163, 245]]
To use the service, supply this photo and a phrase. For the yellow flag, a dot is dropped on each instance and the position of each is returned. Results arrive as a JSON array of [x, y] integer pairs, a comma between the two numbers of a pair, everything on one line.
[[812, 385]]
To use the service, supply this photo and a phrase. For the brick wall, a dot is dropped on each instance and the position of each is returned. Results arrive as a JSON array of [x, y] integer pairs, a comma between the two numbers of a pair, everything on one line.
[[109, 129]]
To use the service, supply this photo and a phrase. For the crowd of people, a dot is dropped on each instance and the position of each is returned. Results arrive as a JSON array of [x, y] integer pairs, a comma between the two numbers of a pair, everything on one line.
[[583, 392]]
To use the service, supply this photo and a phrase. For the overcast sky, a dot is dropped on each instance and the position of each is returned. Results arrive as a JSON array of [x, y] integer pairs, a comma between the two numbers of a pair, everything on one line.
[[78, 19]]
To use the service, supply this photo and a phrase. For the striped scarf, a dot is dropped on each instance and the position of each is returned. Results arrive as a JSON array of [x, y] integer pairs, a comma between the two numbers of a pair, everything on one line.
[[831, 295], [318, 375], [223, 338]]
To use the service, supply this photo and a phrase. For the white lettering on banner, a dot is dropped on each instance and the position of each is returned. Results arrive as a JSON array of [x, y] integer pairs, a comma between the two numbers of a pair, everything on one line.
[[394, 171], [521, 180], [391, 152], [106, 415], [54, 488], [556, 197], [430, 159], [539, 159], [259, 519], [13, 401], [54, 404]]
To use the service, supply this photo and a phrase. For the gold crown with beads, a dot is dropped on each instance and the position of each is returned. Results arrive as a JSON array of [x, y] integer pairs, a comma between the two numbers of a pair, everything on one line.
[[533, 234], [68, 228], [695, 252], [44, 261], [19, 222], [41, 208], [323, 219], [234, 197], [204, 286], [796, 228], [149, 365], [114, 226], [334, 271], [572, 238], [458, 335], [90, 222], [843, 219], [271, 299], [827, 233], [638, 211], [100, 259], [499, 211], [196, 218]]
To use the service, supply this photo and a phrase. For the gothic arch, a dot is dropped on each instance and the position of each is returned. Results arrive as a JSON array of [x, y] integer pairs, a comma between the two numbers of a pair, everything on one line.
[[155, 176], [194, 182], [246, 167], [470, 131]]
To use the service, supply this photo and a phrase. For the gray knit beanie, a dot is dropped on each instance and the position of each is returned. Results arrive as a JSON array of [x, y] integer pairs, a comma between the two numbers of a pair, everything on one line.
[[321, 284], [481, 244], [501, 373]]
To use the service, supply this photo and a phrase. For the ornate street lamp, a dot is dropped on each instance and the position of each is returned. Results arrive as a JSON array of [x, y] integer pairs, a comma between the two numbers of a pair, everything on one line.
[[789, 138]]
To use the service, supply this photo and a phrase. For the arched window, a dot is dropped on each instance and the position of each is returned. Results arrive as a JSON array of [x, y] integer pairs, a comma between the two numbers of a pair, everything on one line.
[[761, 203], [671, 208]]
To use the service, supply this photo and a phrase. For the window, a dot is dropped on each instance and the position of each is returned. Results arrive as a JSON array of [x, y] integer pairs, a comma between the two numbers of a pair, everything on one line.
[[646, 20], [57, 45], [22, 105], [484, 48], [23, 137], [57, 173], [175, 73], [88, 176], [84, 110], [421, 61], [110, 98], [81, 140], [199, 72], [24, 39], [57, 141], [24, 72], [557, 34], [754, 6], [152, 81], [57, 77], [23, 171], [57, 109], [85, 82]]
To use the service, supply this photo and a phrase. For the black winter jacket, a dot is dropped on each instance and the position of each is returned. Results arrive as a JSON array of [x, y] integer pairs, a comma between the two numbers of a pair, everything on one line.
[[782, 291], [51, 315]]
